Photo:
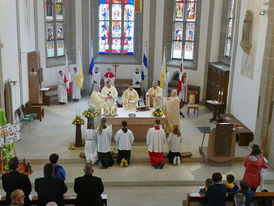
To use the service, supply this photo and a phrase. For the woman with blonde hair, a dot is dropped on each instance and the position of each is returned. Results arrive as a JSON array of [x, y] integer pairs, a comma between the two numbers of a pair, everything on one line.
[[174, 146], [104, 135]]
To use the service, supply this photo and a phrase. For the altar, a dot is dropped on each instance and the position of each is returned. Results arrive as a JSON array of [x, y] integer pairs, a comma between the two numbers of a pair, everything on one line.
[[139, 125]]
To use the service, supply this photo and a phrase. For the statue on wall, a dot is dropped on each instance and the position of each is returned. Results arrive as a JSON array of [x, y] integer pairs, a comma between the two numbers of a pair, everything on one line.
[[245, 42]]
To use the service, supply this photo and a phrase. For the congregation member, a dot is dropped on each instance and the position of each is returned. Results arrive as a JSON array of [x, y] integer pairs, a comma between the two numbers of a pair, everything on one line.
[[174, 146], [15, 180], [154, 95], [17, 197], [137, 81], [124, 139], [95, 78], [51, 204], [62, 90], [90, 143], [88, 188], [216, 193], [208, 183], [130, 98], [172, 111], [244, 189], [231, 186], [109, 77], [110, 93], [59, 171], [104, 135], [253, 163], [155, 140], [76, 90], [50, 188], [239, 199]]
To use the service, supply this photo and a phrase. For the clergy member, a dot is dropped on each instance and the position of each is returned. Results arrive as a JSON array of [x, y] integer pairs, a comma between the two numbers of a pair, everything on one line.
[[154, 95], [155, 140], [137, 80], [95, 78], [109, 77], [76, 90], [130, 98], [110, 93], [62, 90], [97, 99], [172, 111]]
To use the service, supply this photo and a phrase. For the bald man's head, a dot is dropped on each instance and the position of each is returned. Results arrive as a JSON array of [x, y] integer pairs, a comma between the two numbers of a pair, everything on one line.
[[173, 93], [88, 169], [17, 196]]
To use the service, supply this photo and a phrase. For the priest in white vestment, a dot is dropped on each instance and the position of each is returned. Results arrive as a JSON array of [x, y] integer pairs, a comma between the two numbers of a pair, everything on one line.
[[90, 143], [155, 139], [130, 98], [124, 139], [76, 90], [97, 99], [95, 78], [110, 93], [171, 108], [62, 90], [154, 95], [137, 80], [109, 77]]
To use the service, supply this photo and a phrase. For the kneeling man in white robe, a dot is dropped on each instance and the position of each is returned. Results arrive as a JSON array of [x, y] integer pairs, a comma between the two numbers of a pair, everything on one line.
[[130, 98], [90, 143], [62, 90], [110, 92], [76, 90]]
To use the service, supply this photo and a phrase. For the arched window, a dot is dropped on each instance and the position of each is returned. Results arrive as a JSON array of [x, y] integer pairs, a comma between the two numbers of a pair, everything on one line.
[[229, 29], [116, 27], [184, 24], [54, 17]]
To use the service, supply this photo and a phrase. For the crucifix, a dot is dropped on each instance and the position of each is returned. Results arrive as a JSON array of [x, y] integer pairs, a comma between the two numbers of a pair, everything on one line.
[[115, 65]]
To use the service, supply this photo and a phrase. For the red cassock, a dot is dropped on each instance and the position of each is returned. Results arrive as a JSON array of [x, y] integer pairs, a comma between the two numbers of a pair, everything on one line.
[[156, 157], [109, 75], [252, 171]]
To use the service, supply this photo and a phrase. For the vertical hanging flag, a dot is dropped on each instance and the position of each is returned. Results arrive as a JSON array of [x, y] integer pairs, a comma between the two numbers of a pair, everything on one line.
[[91, 65], [181, 76], [145, 65], [164, 75], [80, 77], [67, 77]]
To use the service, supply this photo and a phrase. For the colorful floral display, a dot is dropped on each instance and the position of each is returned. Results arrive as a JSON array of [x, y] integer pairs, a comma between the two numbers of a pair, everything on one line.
[[157, 112], [78, 120], [90, 113]]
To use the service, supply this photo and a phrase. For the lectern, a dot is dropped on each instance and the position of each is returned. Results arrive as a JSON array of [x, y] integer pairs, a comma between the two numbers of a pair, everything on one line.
[[221, 144]]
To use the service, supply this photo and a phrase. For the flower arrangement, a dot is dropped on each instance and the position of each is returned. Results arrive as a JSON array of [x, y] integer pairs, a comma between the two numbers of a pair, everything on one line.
[[90, 113], [78, 120], [157, 112]]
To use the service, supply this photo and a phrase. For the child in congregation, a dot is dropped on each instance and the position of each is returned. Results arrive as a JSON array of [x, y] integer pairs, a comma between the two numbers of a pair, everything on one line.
[[90, 143], [174, 146], [208, 183], [104, 135], [231, 186], [244, 188], [124, 139]]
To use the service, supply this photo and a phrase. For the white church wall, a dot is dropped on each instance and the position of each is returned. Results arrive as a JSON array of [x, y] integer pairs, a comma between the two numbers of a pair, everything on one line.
[[245, 92]]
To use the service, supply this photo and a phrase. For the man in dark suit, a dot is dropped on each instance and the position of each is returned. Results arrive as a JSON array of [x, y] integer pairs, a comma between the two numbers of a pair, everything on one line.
[[88, 188], [15, 180], [50, 188]]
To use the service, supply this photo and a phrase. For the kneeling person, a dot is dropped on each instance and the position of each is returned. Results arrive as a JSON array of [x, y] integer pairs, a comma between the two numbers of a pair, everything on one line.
[[174, 146], [124, 138]]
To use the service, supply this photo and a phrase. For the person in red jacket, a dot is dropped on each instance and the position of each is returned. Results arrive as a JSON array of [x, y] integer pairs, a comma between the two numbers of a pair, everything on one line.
[[253, 165]]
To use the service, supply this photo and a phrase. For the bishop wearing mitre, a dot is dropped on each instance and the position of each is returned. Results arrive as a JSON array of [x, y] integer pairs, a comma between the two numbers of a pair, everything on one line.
[[154, 95], [97, 99], [130, 98], [110, 93], [109, 77], [171, 109]]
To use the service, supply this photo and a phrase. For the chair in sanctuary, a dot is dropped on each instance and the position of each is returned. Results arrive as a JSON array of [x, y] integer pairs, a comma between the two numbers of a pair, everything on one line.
[[192, 103], [221, 144]]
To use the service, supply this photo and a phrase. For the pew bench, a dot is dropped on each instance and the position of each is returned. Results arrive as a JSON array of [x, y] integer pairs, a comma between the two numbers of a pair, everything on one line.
[[195, 199], [49, 92]]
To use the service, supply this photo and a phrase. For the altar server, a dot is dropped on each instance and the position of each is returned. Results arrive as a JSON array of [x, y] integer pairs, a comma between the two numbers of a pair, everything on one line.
[[155, 140], [130, 97], [174, 146], [110, 92], [62, 90], [97, 99], [109, 77], [95, 78], [90, 143], [171, 109], [104, 135], [183, 93], [124, 138], [76, 90], [154, 95], [137, 80]]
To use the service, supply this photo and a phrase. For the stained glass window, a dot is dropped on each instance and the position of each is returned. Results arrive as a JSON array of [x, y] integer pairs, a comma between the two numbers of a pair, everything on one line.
[[229, 29], [54, 16], [116, 27], [184, 24]]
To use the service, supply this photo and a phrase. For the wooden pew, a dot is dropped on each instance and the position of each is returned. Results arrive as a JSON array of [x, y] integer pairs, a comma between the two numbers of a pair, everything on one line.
[[69, 200], [196, 198], [49, 93]]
